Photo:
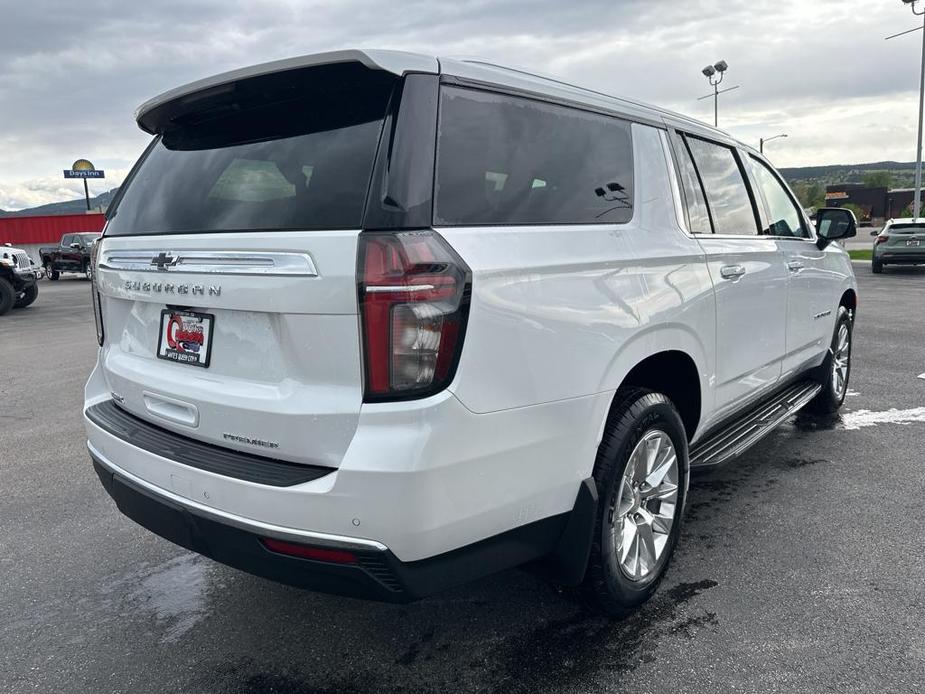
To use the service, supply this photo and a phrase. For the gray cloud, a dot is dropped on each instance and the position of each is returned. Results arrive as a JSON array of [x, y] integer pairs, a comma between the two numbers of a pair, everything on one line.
[[71, 74]]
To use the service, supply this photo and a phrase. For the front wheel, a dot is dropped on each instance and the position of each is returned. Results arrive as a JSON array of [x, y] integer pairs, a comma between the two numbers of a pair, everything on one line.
[[7, 296], [836, 369], [28, 297], [641, 477], [88, 271], [50, 272]]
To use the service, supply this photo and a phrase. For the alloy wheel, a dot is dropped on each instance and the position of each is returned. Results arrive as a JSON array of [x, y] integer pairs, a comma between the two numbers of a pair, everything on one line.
[[840, 360], [643, 515]]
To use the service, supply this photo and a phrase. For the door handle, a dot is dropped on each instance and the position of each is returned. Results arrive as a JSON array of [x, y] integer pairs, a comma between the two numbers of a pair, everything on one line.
[[731, 272], [795, 265]]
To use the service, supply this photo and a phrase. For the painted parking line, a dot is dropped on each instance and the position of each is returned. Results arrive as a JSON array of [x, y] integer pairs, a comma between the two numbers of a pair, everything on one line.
[[922, 376], [865, 418]]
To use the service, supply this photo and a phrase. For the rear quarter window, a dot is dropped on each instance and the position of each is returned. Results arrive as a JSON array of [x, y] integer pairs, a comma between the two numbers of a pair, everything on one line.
[[506, 160]]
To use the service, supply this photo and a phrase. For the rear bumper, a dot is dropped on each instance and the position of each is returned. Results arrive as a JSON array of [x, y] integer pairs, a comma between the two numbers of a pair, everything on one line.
[[374, 572], [916, 257]]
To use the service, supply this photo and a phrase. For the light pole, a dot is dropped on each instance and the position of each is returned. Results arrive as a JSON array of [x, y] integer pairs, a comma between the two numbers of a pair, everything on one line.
[[916, 203], [762, 140], [715, 73]]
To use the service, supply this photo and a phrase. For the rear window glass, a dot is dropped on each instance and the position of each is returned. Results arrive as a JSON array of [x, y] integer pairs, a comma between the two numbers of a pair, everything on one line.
[[293, 154], [907, 227], [510, 160]]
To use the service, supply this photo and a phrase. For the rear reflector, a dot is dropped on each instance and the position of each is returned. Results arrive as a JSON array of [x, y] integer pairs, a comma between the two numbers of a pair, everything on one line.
[[292, 549]]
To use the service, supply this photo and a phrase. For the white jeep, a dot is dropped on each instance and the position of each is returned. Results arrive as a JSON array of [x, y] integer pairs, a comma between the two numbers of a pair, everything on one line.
[[377, 323], [18, 275]]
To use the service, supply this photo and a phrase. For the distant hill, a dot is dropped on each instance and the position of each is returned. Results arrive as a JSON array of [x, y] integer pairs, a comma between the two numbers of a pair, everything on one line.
[[78, 206], [901, 174]]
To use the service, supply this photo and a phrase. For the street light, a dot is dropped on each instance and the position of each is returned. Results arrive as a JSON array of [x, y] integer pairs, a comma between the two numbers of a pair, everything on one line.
[[762, 140], [715, 73], [916, 203]]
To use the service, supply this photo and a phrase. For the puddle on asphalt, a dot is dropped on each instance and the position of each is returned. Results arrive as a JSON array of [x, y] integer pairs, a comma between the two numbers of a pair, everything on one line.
[[174, 593], [559, 653]]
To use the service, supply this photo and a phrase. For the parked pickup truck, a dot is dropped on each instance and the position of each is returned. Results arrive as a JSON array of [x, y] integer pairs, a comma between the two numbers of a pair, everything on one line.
[[71, 255]]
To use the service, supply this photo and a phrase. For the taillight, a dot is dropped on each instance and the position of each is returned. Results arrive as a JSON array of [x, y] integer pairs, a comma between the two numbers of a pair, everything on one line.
[[414, 302], [95, 292], [882, 238]]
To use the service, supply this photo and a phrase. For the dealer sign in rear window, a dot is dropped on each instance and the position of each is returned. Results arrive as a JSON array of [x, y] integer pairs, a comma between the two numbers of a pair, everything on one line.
[[185, 337]]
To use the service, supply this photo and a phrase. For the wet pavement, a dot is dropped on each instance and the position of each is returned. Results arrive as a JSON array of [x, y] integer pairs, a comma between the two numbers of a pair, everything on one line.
[[801, 567]]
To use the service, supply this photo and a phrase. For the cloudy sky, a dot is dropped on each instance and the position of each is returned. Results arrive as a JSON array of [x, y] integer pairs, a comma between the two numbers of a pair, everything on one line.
[[72, 73]]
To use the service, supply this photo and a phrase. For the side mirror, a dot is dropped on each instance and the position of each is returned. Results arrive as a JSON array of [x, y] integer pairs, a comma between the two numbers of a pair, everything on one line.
[[75, 245], [875, 233], [833, 223]]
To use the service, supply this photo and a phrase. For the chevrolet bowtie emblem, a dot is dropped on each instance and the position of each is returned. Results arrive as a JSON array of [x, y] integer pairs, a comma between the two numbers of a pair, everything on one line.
[[164, 260]]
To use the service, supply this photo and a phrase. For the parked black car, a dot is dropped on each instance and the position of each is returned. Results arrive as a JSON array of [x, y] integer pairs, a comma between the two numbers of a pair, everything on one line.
[[71, 255], [18, 286]]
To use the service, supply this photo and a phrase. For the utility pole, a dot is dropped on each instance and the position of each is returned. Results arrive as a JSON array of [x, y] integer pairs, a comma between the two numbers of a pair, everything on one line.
[[762, 140], [711, 72], [917, 201], [918, 150]]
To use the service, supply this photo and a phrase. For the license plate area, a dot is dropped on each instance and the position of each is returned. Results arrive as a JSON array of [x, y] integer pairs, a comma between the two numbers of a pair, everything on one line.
[[912, 242], [185, 337]]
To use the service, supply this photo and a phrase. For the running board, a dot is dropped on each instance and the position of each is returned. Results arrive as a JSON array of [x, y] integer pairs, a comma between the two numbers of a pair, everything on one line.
[[744, 432]]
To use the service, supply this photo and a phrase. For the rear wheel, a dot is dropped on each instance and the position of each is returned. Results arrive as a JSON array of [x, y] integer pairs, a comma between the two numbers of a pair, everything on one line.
[[7, 296], [836, 369], [28, 297], [641, 477], [876, 266]]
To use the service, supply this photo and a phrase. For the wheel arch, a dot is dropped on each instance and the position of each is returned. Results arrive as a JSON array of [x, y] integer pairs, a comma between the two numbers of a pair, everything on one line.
[[849, 299], [669, 360]]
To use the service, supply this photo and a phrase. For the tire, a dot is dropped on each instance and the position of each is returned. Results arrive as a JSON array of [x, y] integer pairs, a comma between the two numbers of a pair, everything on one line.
[[639, 420], [836, 369], [50, 271], [31, 294], [876, 266], [7, 297], [88, 271]]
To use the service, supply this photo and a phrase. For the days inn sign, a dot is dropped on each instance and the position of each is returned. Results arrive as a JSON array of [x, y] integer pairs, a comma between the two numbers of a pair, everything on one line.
[[83, 169]]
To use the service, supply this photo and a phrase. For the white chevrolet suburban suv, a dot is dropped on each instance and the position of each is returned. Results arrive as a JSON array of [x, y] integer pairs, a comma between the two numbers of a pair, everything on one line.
[[376, 324]]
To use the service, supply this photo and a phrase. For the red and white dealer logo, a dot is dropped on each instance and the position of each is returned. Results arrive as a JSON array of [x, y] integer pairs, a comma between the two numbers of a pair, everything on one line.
[[184, 336]]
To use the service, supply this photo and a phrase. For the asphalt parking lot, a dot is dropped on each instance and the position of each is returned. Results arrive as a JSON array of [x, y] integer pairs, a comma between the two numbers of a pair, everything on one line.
[[801, 568]]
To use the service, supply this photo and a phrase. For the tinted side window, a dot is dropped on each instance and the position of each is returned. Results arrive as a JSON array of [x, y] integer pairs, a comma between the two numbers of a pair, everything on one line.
[[727, 195], [510, 160], [785, 217], [699, 216], [66, 240]]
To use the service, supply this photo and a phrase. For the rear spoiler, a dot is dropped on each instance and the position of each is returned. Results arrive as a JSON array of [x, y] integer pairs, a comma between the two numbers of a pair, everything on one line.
[[155, 114]]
